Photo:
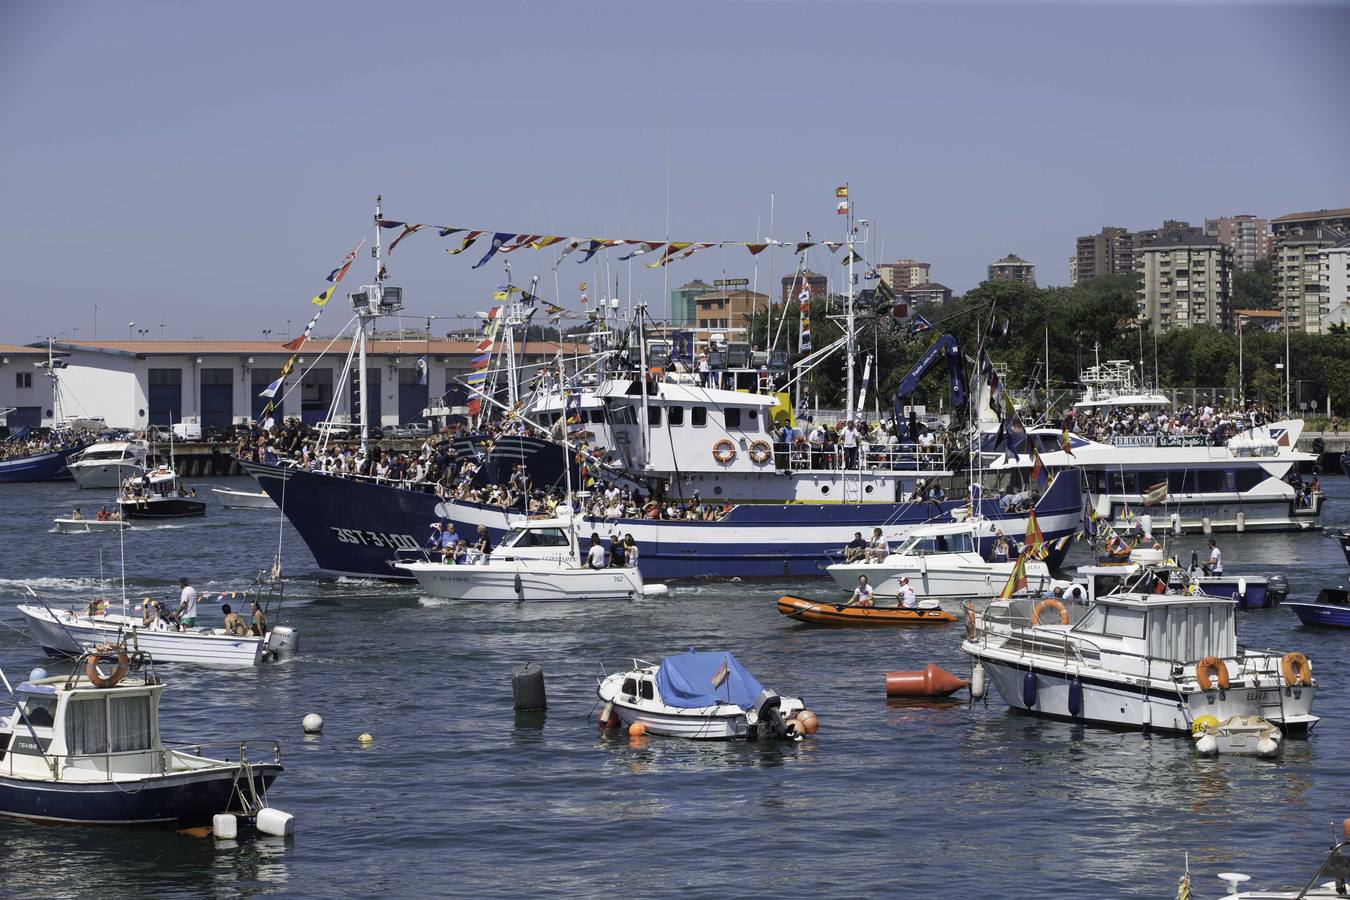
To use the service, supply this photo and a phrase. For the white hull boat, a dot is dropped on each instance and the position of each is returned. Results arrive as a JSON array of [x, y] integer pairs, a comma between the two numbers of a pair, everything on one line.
[[944, 560], [243, 499], [85, 526], [108, 465], [701, 696], [71, 633], [1240, 735], [529, 581], [1149, 661]]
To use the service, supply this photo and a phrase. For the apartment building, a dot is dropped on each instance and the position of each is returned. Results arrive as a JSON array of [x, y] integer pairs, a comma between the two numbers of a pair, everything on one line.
[[1013, 268], [1335, 277], [1186, 281], [1299, 240], [1247, 236], [905, 273]]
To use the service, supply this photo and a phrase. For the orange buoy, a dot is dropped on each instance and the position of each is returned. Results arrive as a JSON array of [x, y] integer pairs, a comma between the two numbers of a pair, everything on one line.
[[933, 681], [637, 729], [807, 722]]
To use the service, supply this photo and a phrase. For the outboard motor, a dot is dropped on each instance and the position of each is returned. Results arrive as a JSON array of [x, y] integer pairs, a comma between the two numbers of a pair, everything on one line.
[[765, 718], [283, 642], [1277, 589]]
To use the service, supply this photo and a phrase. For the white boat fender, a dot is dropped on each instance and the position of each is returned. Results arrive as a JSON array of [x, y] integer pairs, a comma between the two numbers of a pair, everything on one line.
[[312, 723], [1241, 521], [275, 822], [977, 685], [1176, 523], [225, 826], [1146, 520], [1207, 745], [655, 590], [1206, 525], [1242, 591], [1267, 746]]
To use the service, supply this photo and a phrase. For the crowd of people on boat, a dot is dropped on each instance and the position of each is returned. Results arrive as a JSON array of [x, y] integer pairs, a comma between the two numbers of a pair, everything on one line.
[[1216, 423], [850, 445], [24, 444]]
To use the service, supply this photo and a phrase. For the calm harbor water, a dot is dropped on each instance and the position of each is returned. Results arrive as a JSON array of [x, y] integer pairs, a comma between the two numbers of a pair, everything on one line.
[[458, 795]]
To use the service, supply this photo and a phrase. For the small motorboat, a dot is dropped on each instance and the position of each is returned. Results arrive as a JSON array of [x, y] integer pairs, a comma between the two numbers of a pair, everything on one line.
[[1335, 867], [1147, 568], [820, 612], [85, 526], [63, 632], [1236, 735], [1331, 609], [158, 494], [108, 463], [233, 499], [86, 748], [701, 695], [947, 559]]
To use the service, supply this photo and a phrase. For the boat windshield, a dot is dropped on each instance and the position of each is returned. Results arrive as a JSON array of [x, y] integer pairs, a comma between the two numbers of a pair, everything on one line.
[[928, 545], [534, 537], [41, 711]]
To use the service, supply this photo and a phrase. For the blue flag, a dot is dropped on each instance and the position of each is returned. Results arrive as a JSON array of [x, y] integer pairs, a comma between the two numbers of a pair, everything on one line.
[[498, 240]]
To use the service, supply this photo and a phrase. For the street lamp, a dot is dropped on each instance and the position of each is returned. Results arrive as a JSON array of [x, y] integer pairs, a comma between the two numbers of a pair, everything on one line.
[[130, 325], [1242, 384]]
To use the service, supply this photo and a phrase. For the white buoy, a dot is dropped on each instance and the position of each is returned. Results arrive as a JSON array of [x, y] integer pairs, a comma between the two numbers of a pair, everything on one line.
[[1176, 523], [1206, 525], [225, 826], [1242, 591], [977, 681], [275, 822], [1267, 747], [1207, 745], [1241, 522], [37, 674], [312, 723], [655, 590]]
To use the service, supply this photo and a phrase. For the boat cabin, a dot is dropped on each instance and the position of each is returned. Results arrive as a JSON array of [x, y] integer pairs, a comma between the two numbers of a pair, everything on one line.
[[66, 728]]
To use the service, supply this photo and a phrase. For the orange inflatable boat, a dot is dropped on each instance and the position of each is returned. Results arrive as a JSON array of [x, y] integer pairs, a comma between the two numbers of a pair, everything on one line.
[[821, 613]]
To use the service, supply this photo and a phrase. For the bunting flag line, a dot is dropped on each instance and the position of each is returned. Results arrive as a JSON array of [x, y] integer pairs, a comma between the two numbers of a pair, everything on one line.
[[323, 298], [498, 240], [309, 327], [466, 243], [408, 231], [804, 313], [1035, 541], [337, 274], [841, 192], [271, 390]]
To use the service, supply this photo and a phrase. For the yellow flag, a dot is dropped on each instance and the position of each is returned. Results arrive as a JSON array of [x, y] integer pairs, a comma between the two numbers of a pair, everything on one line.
[[322, 299], [499, 295], [545, 241]]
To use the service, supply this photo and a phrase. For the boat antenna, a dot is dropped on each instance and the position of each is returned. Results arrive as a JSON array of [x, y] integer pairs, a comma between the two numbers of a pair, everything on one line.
[[122, 554]]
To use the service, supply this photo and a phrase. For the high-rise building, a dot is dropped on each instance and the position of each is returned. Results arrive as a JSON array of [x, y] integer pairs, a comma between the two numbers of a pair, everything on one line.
[[905, 273], [1013, 268], [1299, 240], [792, 285], [1073, 270], [1335, 278], [928, 292], [1247, 236], [1187, 281], [684, 299], [727, 312], [1109, 252]]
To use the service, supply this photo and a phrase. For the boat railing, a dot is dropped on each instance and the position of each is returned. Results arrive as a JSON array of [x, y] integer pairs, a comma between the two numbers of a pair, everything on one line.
[[193, 756], [803, 457]]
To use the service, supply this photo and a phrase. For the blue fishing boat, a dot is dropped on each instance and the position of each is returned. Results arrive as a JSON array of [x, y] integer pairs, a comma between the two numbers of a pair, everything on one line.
[[1331, 609], [49, 465]]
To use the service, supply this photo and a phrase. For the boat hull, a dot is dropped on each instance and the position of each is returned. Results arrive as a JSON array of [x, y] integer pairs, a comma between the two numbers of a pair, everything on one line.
[[181, 798], [60, 637], [1116, 702], [356, 527], [243, 499], [965, 575], [162, 508], [817, 613], [525, 583], [40, 467], [85, 526], [104, 475], [1322, 615]]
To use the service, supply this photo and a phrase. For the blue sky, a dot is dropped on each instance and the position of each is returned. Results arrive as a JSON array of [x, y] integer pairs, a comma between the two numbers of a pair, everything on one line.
[[205, 165]]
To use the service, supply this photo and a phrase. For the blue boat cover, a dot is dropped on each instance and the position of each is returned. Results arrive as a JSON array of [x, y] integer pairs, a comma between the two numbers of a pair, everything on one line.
[[686, 681]]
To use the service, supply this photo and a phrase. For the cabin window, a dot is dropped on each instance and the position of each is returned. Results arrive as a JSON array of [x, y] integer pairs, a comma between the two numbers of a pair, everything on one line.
[[130, 721], [1124, 622], [654, 416], [630, 686], [1094, 622], [622, 415], [699, 416], [41, 711], [595, 416], [1120, 483], [536, 537], [87, 726], [1249, 478], [648, 690], [1182, 482], [675, 415], [1209, 480], [733, 416]]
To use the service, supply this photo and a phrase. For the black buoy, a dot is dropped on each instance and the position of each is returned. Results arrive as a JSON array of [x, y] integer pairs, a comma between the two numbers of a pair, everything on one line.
[[1029, 690], [1075, 697], [527, 687]]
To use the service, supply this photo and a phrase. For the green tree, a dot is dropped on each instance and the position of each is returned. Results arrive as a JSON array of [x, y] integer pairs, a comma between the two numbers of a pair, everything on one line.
[[1255, 289]]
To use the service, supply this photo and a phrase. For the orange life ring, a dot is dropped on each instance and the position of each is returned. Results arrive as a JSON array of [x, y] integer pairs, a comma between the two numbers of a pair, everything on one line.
[[1205, 666], [760, 451], [98, 679], [724, 451], [1296, 669], [1049, 603]]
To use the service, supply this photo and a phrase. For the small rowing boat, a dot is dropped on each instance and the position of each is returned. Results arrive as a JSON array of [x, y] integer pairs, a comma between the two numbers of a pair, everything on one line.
[[823, 613], [84, 526]]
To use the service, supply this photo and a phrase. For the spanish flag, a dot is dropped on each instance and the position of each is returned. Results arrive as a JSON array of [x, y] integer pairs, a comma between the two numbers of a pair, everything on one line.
[[1064, 441], [723, 672], [1037, 467], [1017, 580], [1035, 537], [841, 192]]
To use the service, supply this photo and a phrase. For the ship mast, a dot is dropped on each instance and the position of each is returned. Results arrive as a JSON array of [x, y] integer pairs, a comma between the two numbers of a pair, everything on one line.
[[370, 302]]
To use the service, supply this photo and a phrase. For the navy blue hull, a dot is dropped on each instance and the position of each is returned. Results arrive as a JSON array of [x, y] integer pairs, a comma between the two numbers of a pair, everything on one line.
[[42, 467], [1322, 614], [174, 799], [358, 527]]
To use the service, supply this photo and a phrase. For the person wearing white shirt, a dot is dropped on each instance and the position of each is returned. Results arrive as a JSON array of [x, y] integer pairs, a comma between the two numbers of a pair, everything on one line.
[[848, 439], [877, 548], [1215, 566], [596, 558], [187, 605], [862, 594], [905, 598]]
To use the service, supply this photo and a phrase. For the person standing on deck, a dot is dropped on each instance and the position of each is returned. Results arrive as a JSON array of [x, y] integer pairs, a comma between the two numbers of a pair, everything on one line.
[[187, 604], [1215, 564]]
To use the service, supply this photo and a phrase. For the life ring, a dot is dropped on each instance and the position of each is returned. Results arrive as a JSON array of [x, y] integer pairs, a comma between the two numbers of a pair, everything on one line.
[[98, 679], [760, 451], [1296, 669], [1205, 666], [724, 451], [1049, 603]]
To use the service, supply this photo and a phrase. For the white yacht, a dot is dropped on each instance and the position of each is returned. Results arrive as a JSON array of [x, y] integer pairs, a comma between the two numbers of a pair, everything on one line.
[[945, 559], [1151, 661], [107, 464]]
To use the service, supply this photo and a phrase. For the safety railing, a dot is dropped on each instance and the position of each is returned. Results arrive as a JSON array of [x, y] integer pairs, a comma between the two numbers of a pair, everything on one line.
[[867, 457]]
